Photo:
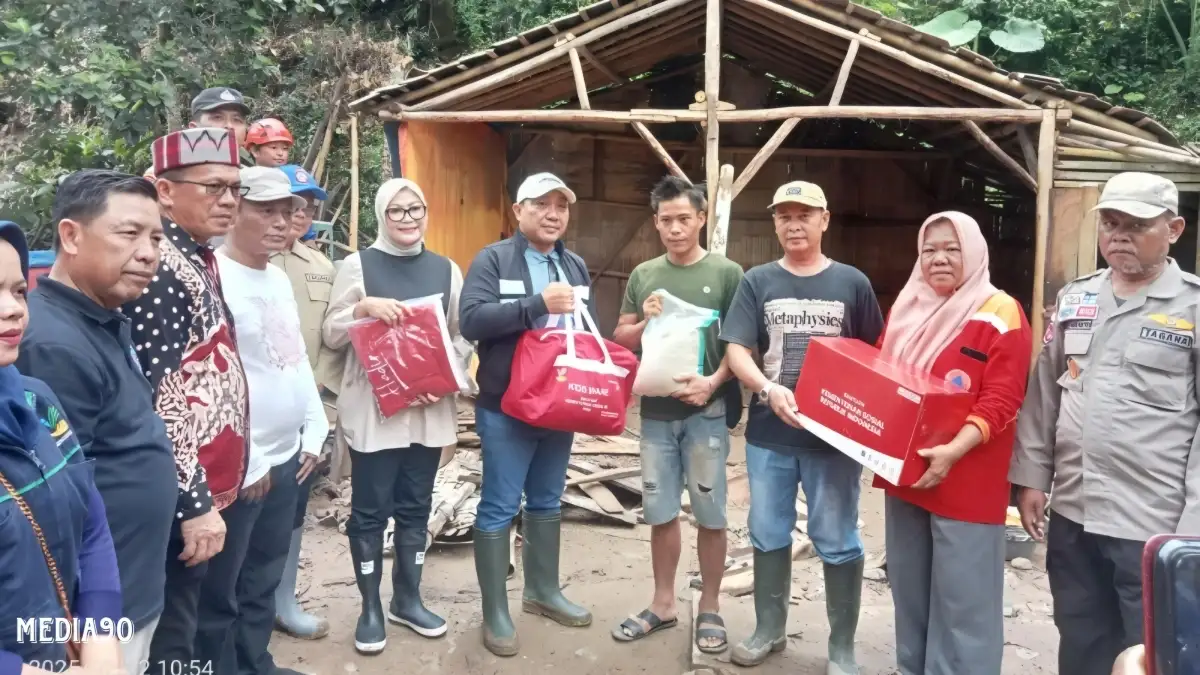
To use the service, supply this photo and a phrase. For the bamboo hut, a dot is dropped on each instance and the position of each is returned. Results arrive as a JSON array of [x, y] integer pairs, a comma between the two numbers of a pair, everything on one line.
[[748, 94]]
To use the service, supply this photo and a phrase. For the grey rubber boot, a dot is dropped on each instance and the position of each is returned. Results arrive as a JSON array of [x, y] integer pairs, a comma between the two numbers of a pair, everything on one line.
[[543, 594], [406, 607], [290, 617], [370, 635], [843, 598], [491, 568], [772, 593]]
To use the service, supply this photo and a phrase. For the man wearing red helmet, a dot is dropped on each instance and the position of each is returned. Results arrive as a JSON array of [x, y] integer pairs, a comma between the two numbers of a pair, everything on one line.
[[269, 142]]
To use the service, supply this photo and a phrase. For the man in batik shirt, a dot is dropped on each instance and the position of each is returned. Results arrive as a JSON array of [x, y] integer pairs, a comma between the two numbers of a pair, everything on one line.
[[184, 339]]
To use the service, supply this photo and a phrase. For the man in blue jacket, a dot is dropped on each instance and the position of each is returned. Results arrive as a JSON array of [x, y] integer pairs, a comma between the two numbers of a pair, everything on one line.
[[513, 286]]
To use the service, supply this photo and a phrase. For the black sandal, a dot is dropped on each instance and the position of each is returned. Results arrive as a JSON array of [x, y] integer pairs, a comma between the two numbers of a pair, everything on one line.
[[710, 626], [634, 624]]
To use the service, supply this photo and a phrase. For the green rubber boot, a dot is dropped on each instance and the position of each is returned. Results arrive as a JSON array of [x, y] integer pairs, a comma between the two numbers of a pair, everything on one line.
[[772, 593], [843, 598], [543, 595], [491, 567]]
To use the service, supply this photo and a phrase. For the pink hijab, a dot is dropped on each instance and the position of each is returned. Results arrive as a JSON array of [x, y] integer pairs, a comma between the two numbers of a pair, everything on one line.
[[922, 323]]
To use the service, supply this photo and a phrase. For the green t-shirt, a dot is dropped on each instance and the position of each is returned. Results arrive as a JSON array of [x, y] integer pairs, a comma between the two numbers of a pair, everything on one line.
[[711, 283]]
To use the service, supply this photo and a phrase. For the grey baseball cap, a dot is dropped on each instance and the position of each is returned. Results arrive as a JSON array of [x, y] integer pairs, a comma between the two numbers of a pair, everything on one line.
[[1141, 195], [268, 184], [219, 97]]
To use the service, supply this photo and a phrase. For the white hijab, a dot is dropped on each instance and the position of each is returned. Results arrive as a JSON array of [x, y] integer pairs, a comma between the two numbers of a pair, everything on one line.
[[387, 192]]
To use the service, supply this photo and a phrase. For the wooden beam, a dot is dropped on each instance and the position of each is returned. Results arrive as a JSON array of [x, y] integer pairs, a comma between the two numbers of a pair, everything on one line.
[[599, 65], [844, 73], [580, 84], [1001, 155], [762, 156], [353, 242], [1085, 129], [659, 150], [667, 116], [605, 475], [718, 229], [1045, 180], [897, 54], [626, 237], [1027, 150], [935, 55], [534, 63], [712, 97]]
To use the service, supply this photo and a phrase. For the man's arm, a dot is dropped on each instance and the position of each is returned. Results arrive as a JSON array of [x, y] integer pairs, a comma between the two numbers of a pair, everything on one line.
[[869, 317], [1033, 453], [481, 314], [630, 324]]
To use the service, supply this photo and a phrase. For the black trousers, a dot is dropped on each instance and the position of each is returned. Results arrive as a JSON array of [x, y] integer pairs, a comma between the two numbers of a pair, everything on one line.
[[395, 483], [171, 648], [237, 606], [1096, 583]]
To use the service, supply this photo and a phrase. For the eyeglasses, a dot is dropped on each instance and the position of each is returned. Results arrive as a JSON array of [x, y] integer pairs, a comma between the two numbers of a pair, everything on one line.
[[213, 189], [396, 214], [310, 211]]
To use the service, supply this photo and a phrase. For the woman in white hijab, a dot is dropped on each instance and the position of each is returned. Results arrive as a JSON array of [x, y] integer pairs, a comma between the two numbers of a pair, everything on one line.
[[394, 459]]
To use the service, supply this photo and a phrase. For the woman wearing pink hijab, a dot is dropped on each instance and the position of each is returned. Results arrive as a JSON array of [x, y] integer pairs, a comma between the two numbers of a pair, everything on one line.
[[945, 534]]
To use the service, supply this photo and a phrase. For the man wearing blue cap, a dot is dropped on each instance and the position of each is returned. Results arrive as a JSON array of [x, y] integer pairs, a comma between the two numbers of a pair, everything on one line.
[[311, 275]]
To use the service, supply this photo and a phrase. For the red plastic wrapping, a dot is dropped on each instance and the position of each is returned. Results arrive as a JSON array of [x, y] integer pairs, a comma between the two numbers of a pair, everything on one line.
[[571, 380], [413, 358]]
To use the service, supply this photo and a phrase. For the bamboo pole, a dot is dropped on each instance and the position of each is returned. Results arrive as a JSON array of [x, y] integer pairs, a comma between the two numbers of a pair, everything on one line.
[[844, 73], [718, 231], [318, 170], [600, 66], [660, 151], [1085, 129], [497, 63], [1045, 183], [554, 53], [1128, 151], [310, 157], [969, 69], [1001, 155], [764, 154], [354, 184], [665, 116], [712, 97], [897, 54], [580, 85], [1027, 149]]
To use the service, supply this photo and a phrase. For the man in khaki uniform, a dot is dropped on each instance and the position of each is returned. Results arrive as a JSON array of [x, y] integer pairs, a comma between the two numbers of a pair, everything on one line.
[[1110, 423], [311, 275]]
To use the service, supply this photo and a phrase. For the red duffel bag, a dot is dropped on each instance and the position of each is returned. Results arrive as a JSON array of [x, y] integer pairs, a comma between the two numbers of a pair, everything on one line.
[[571, 380]]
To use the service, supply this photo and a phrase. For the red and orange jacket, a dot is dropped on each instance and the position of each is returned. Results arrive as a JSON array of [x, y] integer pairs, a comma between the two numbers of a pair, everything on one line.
[[989, 358]]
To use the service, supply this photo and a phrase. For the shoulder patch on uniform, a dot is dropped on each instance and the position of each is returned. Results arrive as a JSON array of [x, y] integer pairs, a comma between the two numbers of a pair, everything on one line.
[[1000, 310]]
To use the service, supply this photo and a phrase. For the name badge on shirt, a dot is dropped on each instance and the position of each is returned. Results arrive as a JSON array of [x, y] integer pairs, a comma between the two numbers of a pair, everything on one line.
[[512, 287]]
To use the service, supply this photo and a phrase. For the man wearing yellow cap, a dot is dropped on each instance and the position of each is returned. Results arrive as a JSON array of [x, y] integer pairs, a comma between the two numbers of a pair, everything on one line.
[[778, 308]]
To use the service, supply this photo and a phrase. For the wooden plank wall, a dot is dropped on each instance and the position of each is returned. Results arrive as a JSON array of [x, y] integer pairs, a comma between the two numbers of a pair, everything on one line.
[[877, 205]]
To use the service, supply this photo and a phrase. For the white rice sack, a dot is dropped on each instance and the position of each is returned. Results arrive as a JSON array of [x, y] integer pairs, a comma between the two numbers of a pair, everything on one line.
[[673, 344]]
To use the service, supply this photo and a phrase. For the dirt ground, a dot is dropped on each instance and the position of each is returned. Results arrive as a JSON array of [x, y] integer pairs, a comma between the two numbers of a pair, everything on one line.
[[607, 568]]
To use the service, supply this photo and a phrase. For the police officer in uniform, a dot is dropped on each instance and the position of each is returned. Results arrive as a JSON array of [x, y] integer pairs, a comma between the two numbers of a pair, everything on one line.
[[311, 275], [1110, 423]]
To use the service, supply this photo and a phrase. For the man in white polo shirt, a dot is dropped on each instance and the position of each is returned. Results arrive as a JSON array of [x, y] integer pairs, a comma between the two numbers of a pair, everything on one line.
[[237, 607]]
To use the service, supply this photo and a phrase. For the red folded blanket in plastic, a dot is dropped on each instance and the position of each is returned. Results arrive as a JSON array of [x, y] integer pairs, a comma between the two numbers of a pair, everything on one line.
[[571, 380], [413, 358]]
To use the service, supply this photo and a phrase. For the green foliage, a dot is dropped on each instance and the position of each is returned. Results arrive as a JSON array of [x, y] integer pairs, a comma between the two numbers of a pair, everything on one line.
[[955, 26]]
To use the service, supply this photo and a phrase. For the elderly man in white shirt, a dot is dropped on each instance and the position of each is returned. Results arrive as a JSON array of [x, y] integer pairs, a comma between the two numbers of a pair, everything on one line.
[[237, 607]]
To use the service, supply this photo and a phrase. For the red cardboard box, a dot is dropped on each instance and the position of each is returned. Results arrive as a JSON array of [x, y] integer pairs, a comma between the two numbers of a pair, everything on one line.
[[878, 412]]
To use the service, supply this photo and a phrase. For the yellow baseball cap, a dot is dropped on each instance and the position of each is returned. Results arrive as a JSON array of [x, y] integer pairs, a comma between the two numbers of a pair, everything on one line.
[[800, 192]]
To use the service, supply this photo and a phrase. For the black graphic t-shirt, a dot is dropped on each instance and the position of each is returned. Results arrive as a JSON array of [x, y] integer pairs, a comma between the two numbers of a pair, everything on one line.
[[778, 313]]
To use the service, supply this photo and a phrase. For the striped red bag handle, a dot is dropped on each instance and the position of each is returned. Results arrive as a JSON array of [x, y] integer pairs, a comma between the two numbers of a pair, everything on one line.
[[72, 643]]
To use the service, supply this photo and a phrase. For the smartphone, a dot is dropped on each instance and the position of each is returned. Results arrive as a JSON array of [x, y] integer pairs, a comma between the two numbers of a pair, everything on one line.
[[1171, 605]]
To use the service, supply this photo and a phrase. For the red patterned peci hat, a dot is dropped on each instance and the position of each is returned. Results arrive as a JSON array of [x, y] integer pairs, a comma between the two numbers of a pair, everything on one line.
[[189, 147]]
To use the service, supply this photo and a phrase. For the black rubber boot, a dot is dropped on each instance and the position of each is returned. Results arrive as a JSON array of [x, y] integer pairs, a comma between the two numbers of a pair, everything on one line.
[[491, 567], [543, 594], [406, 607], [370, 635], [772, 592], [843, 598]]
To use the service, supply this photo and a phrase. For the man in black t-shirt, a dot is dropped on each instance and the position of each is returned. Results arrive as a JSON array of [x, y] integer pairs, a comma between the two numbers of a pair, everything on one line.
[[779, 307]]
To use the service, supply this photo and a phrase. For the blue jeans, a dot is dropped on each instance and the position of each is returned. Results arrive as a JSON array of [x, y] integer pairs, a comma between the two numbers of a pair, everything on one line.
[[519, 458], [691, 451], [831, 486]]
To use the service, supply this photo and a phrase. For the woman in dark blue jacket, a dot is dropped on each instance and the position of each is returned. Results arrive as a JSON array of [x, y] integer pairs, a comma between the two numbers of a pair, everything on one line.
[[56, 553]]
